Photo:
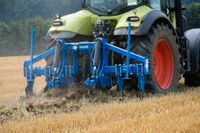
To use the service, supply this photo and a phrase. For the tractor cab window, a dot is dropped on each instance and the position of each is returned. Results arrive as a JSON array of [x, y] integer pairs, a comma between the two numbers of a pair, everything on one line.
[[105, 7], [155, 4], [133, 2]]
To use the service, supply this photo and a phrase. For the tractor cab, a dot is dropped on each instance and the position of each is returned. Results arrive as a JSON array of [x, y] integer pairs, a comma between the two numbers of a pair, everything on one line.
[[114, 7], [118, 7], [110, 7]]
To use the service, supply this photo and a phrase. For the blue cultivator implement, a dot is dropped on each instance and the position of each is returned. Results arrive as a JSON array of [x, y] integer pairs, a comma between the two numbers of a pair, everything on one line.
[[61, 73]]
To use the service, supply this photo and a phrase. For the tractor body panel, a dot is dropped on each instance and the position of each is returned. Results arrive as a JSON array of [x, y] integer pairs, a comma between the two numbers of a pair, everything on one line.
[[82, 22]]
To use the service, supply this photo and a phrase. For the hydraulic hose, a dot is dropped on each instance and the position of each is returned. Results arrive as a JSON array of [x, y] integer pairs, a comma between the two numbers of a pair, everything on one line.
[[96, 55], [57, 55]]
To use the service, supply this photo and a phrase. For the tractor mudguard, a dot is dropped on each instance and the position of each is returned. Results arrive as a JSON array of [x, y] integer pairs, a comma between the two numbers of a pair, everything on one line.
[[147, 18], [193, 36], [139, 13], [151, 18]]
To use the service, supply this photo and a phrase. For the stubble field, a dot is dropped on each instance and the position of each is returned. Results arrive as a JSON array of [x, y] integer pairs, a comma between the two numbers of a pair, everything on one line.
[[100, 112]]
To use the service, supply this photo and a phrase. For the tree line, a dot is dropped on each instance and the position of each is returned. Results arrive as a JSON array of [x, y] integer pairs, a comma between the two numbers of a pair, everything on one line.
[[17, 17], [15, 37], [12, 10]]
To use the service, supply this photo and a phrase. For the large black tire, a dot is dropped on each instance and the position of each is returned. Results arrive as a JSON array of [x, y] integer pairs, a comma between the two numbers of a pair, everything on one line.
[[161, 47], [192, 79]]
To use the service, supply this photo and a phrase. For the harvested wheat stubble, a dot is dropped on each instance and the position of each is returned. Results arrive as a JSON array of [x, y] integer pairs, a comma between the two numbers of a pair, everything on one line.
[[91, 112], [170, 113]]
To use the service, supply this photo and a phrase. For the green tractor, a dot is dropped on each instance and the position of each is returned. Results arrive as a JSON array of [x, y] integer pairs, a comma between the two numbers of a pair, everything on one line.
[[157, 32]]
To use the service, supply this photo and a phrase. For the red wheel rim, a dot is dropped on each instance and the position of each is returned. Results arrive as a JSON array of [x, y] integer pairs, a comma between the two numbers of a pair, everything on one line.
[[163, 64]]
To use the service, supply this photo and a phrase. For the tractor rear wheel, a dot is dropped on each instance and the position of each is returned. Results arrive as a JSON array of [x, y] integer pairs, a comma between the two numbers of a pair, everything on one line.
[[161, 48]]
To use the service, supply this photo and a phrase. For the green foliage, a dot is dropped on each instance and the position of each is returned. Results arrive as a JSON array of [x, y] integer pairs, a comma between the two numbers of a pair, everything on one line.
[[188, 2], [16, 36], [11, 10], [193, 15], [17, 17]]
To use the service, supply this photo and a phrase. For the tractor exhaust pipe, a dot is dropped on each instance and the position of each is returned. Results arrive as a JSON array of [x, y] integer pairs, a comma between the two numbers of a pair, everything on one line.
[[179, 15]]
